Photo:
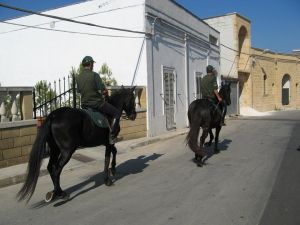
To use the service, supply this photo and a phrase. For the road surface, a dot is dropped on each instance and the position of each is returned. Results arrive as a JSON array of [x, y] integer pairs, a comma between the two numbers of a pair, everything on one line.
[[254, 180]]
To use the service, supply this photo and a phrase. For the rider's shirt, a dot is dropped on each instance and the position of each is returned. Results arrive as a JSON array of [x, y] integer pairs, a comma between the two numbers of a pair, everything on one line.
[[90, 86], [208, 85]]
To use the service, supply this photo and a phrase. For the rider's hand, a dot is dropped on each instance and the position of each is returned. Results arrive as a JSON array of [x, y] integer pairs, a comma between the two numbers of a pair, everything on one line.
[[220, 99]]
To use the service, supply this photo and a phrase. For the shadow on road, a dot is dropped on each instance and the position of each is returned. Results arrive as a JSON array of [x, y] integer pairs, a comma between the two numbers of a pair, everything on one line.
[[131, 166], [222, 146]]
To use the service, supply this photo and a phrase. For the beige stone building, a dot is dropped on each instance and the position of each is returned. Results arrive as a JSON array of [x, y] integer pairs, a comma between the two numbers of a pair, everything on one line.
[[266, 80]]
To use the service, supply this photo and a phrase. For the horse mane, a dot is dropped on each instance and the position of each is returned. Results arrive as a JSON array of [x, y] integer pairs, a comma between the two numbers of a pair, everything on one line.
[[118, 92]]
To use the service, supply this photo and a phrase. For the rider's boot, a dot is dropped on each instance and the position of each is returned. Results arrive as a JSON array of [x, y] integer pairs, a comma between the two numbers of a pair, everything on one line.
[[114, 130]]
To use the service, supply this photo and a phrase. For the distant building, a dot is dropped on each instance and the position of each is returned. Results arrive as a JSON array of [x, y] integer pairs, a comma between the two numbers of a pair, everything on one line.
[[267, 80]]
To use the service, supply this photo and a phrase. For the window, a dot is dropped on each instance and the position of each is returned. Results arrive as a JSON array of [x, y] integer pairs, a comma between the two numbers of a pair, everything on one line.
[[265, 83], [213, 40], [198, 77]]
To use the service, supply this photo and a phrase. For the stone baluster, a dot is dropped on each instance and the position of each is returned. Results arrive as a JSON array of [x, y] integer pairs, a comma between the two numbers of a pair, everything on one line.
[[14, 111], [3, 113]]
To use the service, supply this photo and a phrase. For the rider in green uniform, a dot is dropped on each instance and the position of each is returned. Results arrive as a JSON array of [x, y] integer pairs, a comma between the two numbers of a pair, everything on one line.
[[92, 91], [209, 90]]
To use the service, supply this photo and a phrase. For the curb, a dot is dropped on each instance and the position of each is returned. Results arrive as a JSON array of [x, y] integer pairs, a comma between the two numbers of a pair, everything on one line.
[[18, 179]]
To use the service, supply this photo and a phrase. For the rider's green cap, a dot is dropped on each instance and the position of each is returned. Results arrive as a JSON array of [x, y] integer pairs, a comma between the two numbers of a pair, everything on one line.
[[87, 59]]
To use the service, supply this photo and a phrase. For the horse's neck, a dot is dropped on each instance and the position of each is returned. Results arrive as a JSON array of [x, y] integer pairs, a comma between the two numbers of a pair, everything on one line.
[[116, 102]]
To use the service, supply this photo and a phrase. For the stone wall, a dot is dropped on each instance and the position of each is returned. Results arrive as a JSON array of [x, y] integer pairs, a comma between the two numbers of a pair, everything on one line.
[[267, 74], [134, 129], [16, 138]]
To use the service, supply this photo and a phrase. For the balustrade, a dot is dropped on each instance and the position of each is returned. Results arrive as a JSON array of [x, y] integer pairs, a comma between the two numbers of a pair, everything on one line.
[[15, 103]]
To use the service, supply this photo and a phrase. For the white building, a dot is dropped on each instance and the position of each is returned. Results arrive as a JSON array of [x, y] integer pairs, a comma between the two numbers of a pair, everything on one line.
[[169, 54], [235, 46]]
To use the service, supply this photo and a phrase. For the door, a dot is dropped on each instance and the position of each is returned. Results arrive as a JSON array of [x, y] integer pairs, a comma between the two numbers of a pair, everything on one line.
[[198, 77], [169, 98]]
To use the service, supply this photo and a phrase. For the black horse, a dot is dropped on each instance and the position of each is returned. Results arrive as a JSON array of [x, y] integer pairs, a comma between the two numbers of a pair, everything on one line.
[[66, 129], [203, 113]]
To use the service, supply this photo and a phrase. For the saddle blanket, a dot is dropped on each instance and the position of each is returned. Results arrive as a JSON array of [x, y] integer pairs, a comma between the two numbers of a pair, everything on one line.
[[98, 118]]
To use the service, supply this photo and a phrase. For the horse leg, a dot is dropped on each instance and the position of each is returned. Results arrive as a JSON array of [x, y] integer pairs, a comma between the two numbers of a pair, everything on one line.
[[54, 154], [113, 162], [199, 158], [216, 150], [107, 180], [211, 138], [56, 170]]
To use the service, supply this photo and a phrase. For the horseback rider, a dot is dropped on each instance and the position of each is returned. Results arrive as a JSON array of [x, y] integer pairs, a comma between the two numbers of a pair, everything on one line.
[[209, 89], [93, 93]]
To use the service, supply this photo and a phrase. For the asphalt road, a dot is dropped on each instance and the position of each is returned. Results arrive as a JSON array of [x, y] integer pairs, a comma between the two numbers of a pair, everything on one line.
[[254, 180]]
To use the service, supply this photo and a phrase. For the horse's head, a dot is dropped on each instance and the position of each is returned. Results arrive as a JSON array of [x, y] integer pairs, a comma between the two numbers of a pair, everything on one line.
[[225, 93], [124, 99]]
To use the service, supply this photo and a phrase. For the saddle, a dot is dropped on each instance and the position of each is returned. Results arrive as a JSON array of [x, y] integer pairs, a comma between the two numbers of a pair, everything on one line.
[[98, 118]]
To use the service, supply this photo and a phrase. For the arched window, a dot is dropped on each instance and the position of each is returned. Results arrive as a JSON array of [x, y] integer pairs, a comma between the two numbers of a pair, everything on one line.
[[242, 37], [286, 84]]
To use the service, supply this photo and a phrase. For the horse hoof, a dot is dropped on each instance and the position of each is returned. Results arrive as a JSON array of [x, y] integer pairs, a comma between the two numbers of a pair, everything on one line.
[[112, 172], [199, 164], [49, 196], [108, 182], [64, 195]]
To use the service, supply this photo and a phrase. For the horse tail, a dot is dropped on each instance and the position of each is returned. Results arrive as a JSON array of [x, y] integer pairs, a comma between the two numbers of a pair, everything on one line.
[[35, 161], [192, 137], [193, 134]]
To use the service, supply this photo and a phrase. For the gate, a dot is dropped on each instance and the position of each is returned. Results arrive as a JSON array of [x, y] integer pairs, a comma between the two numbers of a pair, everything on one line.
[[169, 98], [48, 97]]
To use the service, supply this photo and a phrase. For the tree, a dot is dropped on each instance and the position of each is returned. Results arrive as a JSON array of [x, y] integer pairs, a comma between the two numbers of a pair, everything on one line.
[[106, 73], [44, 93]]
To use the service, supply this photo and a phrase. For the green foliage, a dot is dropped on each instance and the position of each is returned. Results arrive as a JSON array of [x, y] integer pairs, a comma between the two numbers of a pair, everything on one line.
[[107, 77], [44, 93], [75, 72]]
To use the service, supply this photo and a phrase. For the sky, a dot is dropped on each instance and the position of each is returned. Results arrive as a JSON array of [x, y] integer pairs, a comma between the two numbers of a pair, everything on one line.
[[275, 24]]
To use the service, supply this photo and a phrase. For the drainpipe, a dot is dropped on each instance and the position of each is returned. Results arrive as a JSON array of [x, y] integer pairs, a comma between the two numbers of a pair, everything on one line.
[[187, 80]]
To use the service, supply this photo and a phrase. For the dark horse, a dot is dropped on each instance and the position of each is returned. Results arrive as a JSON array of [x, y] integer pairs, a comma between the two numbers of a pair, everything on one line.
[[66, 129], [203, 113]]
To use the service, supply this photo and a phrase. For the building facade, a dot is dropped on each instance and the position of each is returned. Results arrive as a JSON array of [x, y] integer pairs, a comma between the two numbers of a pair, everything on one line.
[[265, 80]]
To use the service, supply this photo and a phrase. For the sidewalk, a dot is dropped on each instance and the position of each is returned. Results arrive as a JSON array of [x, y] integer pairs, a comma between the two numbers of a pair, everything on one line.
[[17, 174]]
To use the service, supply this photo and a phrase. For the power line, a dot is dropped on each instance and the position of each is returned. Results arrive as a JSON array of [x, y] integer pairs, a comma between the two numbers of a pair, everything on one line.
[[71, 20], [236, 50], [76, 17], [63, 31]]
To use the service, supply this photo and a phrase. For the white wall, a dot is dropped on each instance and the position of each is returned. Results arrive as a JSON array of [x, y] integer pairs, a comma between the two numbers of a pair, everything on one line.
[[169, 48], [30, 55], [225, 25]]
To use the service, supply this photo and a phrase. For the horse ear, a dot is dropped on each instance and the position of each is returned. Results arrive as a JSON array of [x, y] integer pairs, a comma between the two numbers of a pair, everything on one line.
[[122, 86]]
